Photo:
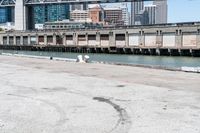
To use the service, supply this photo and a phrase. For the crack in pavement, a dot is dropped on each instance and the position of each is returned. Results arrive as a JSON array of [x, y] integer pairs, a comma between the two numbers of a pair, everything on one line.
[[124, 123]]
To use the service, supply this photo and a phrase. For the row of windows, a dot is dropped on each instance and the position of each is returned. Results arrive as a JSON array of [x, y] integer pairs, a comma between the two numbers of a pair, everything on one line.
[[6, 14], [64, 26], [45, 13]]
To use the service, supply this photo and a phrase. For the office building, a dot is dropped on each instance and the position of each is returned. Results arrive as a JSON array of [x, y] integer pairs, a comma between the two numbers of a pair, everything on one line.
[[47, 13], [83, 6], [79, 15], [125, 14], [6, 14], [151, 14], [161, 11], [113, 16], [3, 15], [136, 8], [142, 18]]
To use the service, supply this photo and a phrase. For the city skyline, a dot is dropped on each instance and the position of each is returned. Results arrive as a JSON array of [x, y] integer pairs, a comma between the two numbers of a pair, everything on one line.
[[176, 9], [26, 18]]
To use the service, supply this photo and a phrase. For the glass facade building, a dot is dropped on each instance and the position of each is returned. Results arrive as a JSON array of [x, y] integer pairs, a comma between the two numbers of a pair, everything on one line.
[[6, 14], [57, 12], [3, 16], [39, 14], [49, 13]]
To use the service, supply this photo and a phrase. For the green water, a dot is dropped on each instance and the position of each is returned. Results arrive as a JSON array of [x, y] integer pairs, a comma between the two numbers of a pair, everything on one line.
[[164, 61]]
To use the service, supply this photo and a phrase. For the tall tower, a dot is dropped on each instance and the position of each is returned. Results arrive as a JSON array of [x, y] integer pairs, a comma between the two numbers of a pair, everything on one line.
[[20, 15], [136, 8], [125, 13], [161, 11], [151, 14]]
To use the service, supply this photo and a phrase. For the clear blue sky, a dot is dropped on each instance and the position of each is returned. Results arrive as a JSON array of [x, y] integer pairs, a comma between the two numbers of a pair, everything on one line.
[[183, 10]]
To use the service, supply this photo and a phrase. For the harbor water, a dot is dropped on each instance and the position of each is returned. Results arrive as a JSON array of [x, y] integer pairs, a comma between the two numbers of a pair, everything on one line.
[[163, 61]]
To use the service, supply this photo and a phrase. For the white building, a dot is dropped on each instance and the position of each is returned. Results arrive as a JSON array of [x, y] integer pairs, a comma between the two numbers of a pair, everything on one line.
[[83, 6], [125, 14], [20, 15], [80, 16], [122, 9]]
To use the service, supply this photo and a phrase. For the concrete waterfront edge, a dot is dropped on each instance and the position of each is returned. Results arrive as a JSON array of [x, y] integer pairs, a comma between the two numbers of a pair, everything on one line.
[[183, 69]]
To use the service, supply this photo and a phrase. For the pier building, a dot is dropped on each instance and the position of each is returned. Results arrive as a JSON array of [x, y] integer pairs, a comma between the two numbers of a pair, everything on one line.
[[160, 39]]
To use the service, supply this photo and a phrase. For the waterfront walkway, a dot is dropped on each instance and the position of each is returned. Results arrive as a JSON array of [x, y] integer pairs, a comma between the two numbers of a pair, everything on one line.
[[43, 96]]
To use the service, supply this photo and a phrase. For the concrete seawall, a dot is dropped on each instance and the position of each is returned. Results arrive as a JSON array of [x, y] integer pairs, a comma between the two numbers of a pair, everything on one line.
[[184, 68]]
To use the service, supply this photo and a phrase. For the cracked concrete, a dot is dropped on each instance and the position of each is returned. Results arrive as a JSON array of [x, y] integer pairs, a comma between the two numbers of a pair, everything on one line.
[[43, 96]]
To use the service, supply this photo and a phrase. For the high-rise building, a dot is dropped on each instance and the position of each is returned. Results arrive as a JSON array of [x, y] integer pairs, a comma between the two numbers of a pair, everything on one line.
[[6, 14], [113, 16], [151, 11], [136, 8], [142, 18], [57, 12], [39, 15], [3, 15], [47, 13], [125, 13], [161, 11]]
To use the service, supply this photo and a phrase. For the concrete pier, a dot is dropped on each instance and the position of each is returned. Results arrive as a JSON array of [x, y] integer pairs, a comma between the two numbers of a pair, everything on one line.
[[45, 96], [169, 39]]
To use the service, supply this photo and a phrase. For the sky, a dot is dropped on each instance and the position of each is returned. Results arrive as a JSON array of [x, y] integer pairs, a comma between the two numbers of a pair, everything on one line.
[[181, 10]]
